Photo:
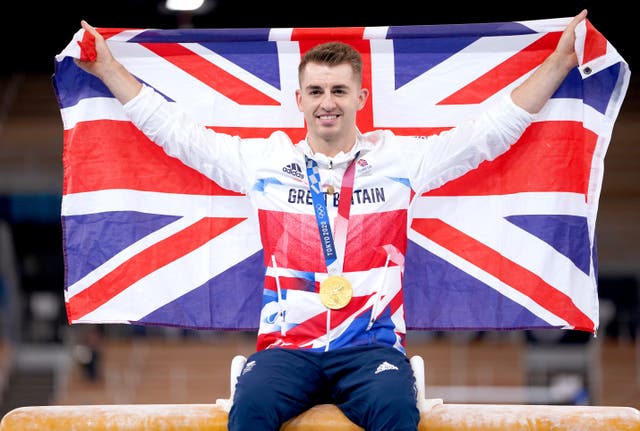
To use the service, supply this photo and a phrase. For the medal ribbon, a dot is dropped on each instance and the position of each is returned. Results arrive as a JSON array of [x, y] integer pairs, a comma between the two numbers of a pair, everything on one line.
[[333, 249]]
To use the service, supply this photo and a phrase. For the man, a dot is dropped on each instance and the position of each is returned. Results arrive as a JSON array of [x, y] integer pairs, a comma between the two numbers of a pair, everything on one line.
[[333, 212]]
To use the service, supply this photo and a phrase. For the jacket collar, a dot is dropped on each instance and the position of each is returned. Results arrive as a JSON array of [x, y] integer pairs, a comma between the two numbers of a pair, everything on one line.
[[362, 146]]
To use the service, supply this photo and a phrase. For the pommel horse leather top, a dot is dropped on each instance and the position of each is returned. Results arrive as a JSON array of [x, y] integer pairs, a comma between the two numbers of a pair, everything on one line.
[[326, 417]]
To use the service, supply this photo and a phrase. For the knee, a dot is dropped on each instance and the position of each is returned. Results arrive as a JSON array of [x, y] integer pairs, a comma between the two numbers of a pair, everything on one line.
[[393, 407], [253, 409], [254, 397], [394, 398], [401, 389]]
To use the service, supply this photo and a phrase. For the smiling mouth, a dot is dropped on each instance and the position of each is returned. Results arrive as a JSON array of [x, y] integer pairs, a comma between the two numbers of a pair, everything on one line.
[[327, 117]]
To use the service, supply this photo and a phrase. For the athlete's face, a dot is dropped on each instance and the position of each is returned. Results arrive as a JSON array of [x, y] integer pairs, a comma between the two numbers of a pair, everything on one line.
[[329, 97]]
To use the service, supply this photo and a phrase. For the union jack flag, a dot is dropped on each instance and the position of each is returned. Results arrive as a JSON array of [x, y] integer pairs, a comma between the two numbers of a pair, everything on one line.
[[510, 245]]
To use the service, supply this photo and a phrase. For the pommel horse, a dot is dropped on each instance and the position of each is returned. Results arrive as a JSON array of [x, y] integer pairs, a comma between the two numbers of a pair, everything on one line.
[[435, 415]]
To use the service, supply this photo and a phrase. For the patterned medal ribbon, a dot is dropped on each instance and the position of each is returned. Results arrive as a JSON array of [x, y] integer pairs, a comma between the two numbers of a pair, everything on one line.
[[335, 290]]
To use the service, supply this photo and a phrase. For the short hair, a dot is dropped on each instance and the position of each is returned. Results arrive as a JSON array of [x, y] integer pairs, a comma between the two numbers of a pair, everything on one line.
[[333, 54]]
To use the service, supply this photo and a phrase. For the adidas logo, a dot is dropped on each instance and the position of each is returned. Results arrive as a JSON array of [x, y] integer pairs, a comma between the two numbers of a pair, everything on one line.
[[385, 366], [293, 169], [248, 367]]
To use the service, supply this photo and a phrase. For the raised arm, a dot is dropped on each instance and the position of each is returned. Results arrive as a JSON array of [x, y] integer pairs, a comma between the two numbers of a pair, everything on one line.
[[122, 84], [533, 93]]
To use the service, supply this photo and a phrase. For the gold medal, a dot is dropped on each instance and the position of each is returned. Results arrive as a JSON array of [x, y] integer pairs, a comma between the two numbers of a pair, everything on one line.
[[335, 292]]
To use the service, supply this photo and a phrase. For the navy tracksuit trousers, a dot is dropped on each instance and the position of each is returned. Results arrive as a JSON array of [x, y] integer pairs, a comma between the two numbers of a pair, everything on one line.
[[373, 386]]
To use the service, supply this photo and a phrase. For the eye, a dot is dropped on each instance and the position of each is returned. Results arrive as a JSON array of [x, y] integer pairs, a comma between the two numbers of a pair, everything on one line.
[[340, 91]]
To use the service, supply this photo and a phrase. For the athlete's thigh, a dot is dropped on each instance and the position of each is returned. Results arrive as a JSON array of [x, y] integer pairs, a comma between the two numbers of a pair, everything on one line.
[[284, 379], [377, 389]]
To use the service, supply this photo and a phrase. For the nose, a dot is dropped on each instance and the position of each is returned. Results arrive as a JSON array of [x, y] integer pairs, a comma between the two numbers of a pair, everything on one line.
[[328, 103]]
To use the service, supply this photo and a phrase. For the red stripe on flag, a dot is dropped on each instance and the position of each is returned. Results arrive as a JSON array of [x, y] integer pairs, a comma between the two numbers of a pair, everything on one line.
[[552, 156], [210, 74], [88, 47], [595, 45], [507, 271], [105, 154], [109, 32], [504, 74], [146, 262], [354, 36]]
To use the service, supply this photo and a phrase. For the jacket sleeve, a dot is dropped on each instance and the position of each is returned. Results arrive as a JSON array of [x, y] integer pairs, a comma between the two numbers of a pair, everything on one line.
[[216, 155], [461, 149]]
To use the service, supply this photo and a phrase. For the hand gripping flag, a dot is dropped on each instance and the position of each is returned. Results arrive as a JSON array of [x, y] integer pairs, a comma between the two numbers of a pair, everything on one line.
[[510, 245]]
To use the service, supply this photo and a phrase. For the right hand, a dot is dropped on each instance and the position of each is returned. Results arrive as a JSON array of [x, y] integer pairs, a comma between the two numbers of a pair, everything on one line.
[[122, 84], [104, 59]]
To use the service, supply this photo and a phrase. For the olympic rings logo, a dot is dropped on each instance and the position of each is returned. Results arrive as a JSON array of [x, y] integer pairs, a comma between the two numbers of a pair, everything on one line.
[[320, 211]]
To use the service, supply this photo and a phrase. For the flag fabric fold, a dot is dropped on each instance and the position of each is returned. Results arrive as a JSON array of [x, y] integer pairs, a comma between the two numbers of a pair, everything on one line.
[[510, 245]]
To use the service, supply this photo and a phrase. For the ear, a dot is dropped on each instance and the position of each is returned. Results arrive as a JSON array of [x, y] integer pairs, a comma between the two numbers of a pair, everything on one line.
[[299, 99], [362, 98]]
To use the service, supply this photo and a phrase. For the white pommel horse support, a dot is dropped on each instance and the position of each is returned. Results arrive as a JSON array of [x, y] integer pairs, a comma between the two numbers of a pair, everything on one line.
[[434, 415]]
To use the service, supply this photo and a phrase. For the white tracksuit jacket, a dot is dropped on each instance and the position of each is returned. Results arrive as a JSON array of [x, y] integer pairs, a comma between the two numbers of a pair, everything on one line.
[[390, 172]]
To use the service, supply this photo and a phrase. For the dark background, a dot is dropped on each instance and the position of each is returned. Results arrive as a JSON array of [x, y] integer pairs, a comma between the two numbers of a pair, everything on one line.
[[35, 33]]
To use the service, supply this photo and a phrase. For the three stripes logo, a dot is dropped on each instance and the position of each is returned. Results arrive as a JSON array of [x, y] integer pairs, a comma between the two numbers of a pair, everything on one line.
[[293, 169]]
